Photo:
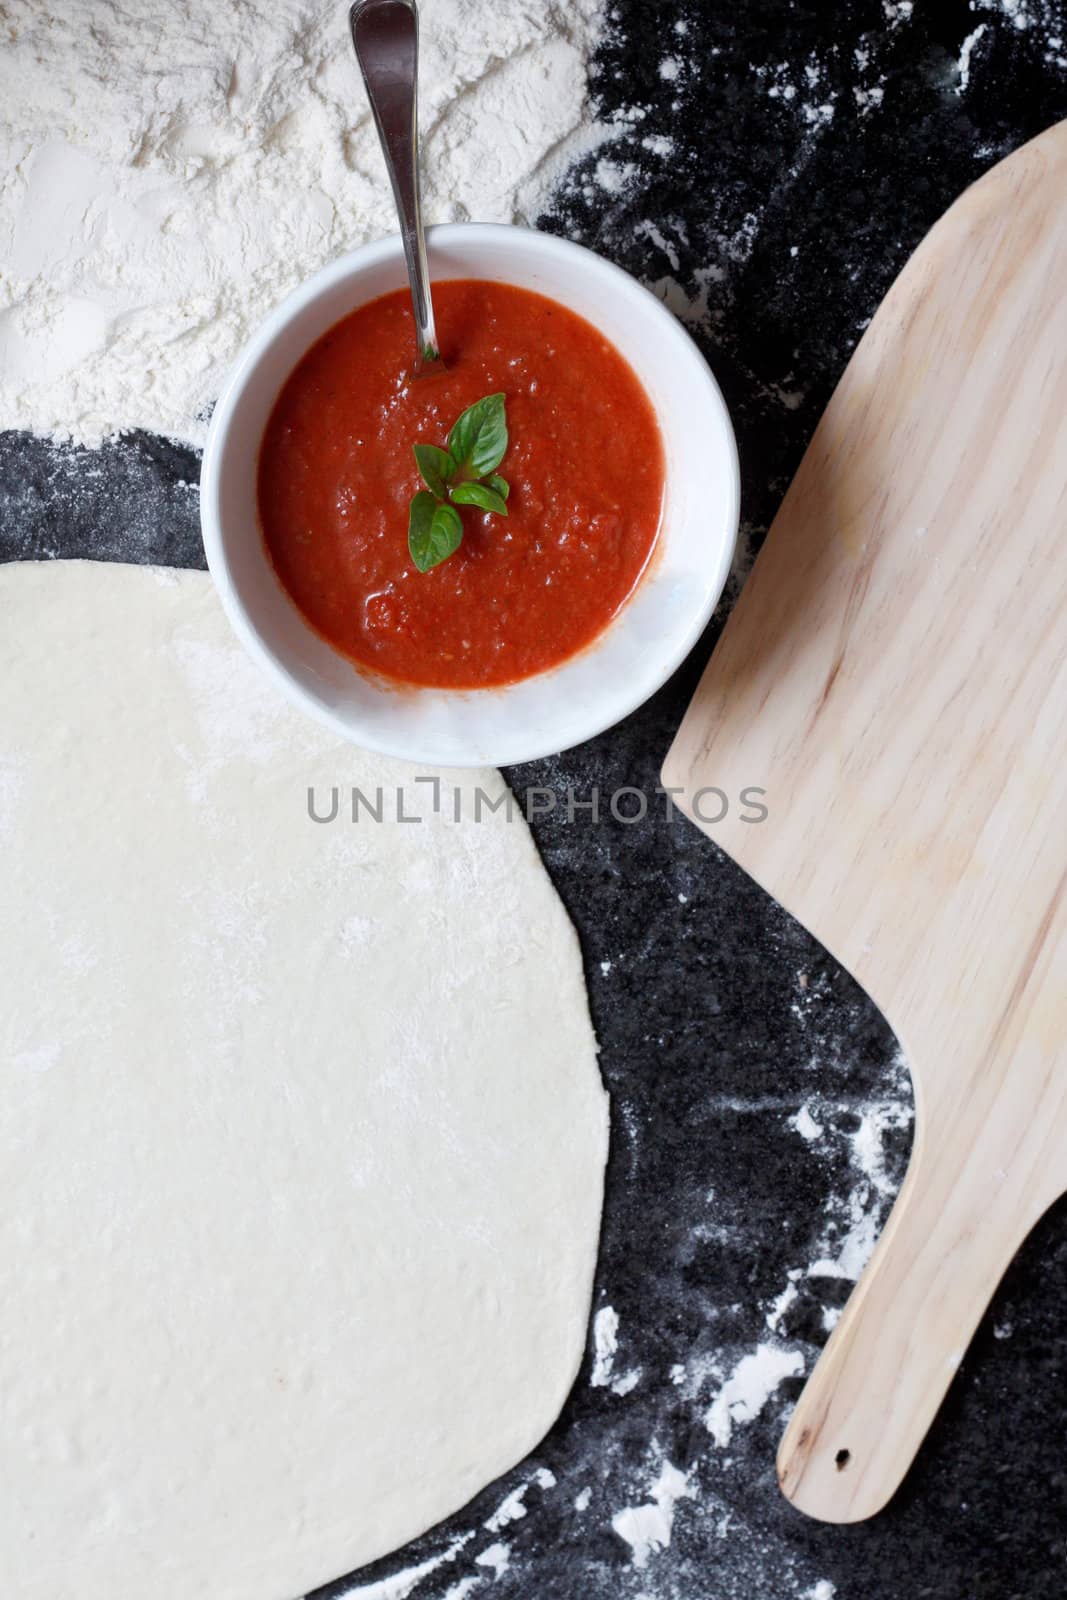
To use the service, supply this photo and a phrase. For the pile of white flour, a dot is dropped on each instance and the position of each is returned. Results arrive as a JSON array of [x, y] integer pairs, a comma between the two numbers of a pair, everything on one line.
[[169, 169]]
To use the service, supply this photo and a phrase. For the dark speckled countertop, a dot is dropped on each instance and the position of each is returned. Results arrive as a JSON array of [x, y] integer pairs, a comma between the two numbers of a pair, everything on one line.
[[761, 1112]]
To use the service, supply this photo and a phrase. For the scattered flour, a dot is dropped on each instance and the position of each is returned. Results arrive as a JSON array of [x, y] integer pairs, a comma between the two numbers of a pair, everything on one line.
[[169, 171], [605, 1347], [461, 1590], [748, 1388], [806, 95], [627, 1382], [1018, 12], [853, 1221], [513, 1507], [845, 1256], [868, 99], [647, 1528], [806, 1125], [788, 1297], [615, 177], [605, 1343], [667, 246], [1043, 21], [495, 1556], [966, 52], [403, 1584]]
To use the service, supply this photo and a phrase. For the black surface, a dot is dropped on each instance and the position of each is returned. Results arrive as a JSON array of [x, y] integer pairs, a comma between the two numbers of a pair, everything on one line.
[[718, 1017]]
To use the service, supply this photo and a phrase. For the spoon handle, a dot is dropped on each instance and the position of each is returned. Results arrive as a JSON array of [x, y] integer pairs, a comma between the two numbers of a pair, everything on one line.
[[385, 34]]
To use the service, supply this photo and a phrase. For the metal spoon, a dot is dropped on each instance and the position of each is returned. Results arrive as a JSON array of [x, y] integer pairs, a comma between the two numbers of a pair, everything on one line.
[[386, 38]]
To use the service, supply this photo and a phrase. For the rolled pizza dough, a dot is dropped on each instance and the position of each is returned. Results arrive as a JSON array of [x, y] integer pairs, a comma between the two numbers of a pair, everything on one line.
[[302, 1135]]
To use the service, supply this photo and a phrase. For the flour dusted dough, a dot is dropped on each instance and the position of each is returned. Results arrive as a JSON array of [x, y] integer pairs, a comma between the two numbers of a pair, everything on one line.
[[301, 1135]]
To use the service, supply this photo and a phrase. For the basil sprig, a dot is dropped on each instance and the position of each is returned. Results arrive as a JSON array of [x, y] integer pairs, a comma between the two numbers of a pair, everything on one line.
[[463, 475]]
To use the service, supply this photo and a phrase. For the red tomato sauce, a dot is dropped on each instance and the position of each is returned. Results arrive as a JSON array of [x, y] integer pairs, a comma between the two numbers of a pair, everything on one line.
[[523, 592]]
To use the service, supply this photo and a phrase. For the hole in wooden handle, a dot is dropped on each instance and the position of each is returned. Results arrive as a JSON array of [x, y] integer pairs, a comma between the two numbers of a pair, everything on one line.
[[842, 1459]]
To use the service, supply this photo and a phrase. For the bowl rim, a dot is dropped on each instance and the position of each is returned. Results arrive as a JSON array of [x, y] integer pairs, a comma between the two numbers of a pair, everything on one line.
[[605, 711]]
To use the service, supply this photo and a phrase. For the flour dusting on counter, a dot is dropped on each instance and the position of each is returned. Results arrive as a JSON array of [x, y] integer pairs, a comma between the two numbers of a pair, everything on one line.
[[169, 172], [647, 1528], [497, 1557], [401, 1585], [605, 1346], [513, 1507], [605, 1338], [749, 1387]]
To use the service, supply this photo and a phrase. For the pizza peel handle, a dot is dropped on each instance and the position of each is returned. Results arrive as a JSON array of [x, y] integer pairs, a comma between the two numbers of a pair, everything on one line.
[[894, 677], [882, 1377]]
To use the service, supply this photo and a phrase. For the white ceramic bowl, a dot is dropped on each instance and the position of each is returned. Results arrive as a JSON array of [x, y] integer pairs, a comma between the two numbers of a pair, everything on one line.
[[645, 642]]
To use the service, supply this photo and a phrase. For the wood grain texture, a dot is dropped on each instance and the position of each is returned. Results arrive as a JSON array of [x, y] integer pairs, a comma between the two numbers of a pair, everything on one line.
[[895, 676]]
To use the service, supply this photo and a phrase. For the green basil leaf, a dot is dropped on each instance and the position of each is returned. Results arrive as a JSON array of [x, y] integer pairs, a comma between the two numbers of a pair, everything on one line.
[[480, 494], [436, 468], [434, 531], [501, 485], [480, 436]]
